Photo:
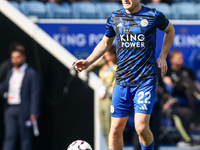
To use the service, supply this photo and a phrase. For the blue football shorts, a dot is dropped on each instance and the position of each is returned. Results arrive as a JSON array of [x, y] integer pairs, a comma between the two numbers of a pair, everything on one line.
[[127, 100]]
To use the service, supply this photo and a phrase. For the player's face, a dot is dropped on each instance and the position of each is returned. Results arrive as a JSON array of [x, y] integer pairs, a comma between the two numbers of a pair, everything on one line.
[[17, 59], [177, 59], [130, 5]]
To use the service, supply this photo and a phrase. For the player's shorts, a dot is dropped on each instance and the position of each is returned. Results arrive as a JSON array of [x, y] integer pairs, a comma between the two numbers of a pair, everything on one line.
[[127, 100]]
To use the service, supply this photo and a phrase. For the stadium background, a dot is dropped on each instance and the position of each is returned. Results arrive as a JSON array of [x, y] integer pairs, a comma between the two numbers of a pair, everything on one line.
[[67, 102]]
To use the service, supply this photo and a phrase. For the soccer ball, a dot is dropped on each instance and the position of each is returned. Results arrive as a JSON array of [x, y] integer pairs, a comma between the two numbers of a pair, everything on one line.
[[79, 145]]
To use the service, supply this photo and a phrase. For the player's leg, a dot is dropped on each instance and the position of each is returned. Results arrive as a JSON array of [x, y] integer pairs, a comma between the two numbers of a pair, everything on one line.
[[121, 107], [116, 133], [143, 131], [143, 103]]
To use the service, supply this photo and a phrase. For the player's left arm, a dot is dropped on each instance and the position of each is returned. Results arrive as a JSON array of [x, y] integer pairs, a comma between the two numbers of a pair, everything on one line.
[[167, 42]]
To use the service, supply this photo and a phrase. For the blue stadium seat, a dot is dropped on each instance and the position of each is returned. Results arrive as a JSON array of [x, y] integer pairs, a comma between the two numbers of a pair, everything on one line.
[[84, 10], [163, 7], [55, 10], [34, 8], [185, 10], [15, 4], [106, 8], [193, 1], [198, 10]]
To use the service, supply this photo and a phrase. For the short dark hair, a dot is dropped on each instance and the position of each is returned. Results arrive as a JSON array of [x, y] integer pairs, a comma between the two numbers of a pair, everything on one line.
[[13, 45]]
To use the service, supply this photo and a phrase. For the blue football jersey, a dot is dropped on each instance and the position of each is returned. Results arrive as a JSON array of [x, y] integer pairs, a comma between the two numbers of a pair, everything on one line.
[[136, 41]]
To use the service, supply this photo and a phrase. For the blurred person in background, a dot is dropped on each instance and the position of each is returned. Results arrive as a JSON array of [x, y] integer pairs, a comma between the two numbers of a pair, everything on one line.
[[106, 66], [181, 115], [7, 65], [22, 94], [181, 81]]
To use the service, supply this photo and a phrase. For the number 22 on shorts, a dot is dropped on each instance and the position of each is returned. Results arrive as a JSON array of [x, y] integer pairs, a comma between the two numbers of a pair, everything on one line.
[[141, 96]]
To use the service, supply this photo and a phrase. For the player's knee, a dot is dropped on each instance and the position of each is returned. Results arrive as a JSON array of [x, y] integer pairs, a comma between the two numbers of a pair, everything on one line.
[[141, 129], [116, 129]]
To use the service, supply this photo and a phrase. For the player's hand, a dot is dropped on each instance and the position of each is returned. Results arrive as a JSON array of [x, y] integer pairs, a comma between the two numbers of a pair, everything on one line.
[[80, 65], [162, 64]]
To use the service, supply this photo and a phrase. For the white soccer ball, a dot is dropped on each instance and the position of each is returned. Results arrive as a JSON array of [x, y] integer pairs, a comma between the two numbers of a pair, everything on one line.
[[79, 145]]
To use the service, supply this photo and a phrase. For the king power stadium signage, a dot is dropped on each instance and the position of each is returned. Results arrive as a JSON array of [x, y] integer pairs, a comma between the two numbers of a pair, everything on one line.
[[81, 38]]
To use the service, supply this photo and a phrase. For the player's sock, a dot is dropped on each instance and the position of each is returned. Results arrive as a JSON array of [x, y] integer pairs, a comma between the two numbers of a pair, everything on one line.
[[148, 147]]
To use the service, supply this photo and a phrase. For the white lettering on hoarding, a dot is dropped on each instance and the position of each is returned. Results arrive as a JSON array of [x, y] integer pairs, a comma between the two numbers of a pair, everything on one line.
[[79, 40], [183, 40], [71, 39], [94, 39]]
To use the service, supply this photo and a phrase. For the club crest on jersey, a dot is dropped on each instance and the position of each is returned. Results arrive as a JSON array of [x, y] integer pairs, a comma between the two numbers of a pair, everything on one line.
[[144, 22], [112, 109]]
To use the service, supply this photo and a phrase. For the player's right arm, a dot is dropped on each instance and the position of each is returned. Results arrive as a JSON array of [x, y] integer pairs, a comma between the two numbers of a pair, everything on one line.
[[98, 51]]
